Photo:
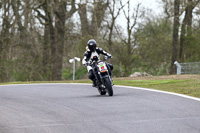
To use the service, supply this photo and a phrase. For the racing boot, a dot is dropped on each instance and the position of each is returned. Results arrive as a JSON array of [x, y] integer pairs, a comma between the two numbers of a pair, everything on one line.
[[94, 83]]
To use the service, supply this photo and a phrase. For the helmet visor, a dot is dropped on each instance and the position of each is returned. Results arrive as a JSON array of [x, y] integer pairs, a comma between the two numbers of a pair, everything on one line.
[[92, 47]]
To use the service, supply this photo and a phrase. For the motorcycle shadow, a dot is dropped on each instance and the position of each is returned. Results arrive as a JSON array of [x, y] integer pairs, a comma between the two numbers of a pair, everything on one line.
[[100, 96], [97, 96]]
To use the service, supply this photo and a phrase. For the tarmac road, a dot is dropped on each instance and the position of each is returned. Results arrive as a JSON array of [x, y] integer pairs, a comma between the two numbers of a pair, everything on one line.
[[78, 108]]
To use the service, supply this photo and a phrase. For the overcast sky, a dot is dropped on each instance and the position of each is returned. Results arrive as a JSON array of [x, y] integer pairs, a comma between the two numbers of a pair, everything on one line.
[[153, 5]]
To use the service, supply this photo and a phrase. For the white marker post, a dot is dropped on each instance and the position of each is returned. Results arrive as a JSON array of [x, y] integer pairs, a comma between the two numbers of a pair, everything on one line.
[[74, 64], [178, 67]]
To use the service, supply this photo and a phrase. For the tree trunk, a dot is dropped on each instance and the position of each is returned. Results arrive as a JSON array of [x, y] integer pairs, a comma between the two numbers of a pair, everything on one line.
[[46, 53], [186, 30], [182, 40], [84, 21], [97, 18], [60, 13], [4, 41], [175, 36], [57, 49]]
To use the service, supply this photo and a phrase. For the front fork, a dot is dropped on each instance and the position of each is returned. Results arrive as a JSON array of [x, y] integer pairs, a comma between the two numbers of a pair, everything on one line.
[[99, 78]]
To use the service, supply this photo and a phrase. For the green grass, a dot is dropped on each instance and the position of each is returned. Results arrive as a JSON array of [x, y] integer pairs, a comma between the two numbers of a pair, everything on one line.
[[40, 82], [189, 87]]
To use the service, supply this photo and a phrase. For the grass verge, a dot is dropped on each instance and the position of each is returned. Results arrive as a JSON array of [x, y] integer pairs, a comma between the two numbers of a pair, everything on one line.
[[189, 87]]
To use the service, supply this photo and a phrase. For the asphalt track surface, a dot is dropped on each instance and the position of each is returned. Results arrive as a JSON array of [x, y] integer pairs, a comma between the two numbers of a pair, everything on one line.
[[78, 108]]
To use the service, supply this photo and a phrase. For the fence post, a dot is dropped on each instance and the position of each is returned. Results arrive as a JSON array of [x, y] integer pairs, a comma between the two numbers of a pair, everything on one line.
[[178, 66]]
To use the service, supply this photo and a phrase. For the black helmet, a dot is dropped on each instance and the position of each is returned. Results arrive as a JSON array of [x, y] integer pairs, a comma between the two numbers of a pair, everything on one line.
[[92, 45]]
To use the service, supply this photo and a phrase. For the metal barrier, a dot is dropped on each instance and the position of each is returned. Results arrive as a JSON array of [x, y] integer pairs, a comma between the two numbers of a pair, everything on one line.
[[188, 68]]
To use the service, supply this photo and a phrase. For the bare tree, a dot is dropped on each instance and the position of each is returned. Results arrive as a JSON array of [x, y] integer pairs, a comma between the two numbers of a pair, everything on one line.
[[90, 26], [60, 18], [131, 20], [82, 10], [4, 40], [114, 13], [54, 36], [175, 36], [48, 47], [186, 27]]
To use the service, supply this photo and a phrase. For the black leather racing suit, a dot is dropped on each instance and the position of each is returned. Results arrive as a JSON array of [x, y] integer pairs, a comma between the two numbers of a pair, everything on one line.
[[88, 55]]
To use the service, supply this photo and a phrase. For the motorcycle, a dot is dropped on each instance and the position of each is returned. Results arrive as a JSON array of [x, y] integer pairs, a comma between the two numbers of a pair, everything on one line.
[[102, 74]]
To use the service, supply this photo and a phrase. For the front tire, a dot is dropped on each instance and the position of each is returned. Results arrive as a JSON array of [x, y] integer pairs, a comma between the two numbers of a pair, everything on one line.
[[108, 85]]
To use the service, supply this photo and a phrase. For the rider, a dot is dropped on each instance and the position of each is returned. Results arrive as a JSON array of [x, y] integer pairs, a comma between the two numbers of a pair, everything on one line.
[[91, 51]]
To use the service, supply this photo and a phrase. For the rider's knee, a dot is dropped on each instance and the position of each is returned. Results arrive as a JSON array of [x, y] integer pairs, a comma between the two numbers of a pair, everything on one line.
[[110, 66], [91, 75]]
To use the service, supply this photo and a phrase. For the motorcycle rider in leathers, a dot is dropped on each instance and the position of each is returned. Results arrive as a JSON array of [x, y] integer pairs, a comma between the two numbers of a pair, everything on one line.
[[93, 50]]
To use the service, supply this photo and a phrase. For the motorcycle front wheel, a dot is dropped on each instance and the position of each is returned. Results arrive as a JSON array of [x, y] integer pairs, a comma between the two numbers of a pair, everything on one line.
[[108, 85]]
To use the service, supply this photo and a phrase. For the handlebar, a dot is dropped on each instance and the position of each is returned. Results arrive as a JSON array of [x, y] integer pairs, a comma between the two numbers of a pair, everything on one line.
[[107, 57], [92, 62]]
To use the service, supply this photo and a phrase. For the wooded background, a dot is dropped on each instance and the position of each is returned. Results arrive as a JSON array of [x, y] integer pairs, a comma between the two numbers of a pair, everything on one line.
[[38, 37]]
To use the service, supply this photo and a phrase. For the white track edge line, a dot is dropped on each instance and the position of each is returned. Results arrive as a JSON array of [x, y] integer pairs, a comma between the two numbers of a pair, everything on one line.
[[160, 91]]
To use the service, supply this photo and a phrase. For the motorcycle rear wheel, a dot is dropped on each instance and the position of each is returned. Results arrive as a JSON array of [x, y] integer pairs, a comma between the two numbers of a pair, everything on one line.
[[101, 92]]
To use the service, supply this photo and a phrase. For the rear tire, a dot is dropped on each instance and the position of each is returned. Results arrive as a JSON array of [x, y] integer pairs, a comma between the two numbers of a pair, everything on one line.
[[108, 85]]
